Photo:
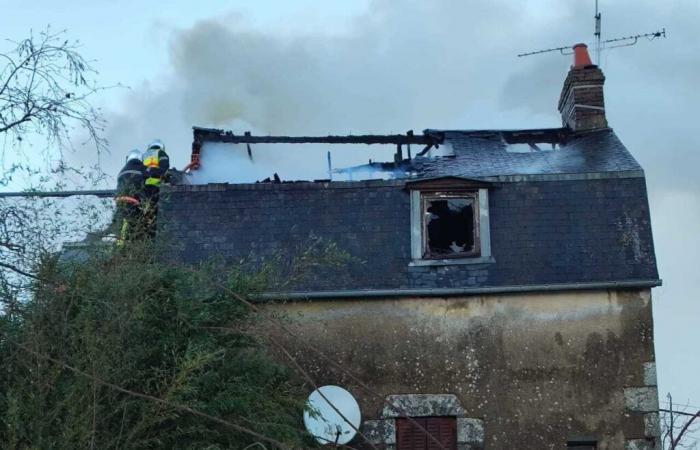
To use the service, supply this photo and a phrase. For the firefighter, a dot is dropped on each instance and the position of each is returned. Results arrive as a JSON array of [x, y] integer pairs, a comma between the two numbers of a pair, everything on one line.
[[156, 164], [130, 195]]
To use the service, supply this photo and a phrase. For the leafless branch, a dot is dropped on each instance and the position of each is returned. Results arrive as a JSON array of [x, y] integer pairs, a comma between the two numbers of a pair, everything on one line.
[[678, 427], [46, 92], [45, 87]]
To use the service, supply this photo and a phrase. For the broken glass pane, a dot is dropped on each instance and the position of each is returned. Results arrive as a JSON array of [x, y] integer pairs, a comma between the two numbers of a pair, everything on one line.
[[450, 226]]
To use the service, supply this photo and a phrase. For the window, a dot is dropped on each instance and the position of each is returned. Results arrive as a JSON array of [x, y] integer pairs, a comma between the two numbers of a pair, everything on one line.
[[450, 222], [410, 436], [450, 225]]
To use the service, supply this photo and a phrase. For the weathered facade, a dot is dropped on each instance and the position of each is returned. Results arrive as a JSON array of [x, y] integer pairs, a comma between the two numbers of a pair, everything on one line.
[[501, 294]]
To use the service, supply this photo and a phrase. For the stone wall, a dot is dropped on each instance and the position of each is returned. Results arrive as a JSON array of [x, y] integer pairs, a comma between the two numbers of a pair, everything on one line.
[[520, 371]]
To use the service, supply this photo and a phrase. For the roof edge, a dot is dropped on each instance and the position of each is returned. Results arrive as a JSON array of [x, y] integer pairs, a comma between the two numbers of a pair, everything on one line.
[[450, 292], [584, 176]]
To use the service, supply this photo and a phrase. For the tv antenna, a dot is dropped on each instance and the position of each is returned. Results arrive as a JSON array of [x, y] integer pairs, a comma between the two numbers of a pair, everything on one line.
[[624, 41]]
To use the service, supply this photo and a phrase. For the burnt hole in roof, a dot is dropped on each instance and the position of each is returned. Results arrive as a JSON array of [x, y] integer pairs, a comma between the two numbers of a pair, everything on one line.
[[532, 147], [533, 141]]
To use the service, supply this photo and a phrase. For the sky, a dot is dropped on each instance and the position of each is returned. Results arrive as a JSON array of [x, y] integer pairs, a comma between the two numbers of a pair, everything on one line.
[[365, 66]]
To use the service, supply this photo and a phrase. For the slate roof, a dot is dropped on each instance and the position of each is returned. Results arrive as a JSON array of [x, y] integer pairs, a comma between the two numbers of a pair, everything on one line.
[[480, 154], [575, 217]]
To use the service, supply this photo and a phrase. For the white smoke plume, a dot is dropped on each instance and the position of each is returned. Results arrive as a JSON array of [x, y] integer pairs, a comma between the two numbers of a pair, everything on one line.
[[397, 67]]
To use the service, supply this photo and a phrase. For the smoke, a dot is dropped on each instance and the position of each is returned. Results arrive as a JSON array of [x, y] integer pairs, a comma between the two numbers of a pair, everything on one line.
[[394, 68], [445, 64]]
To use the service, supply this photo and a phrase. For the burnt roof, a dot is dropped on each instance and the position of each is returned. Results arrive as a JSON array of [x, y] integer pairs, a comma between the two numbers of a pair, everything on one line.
[[575, 217], [484, 154]]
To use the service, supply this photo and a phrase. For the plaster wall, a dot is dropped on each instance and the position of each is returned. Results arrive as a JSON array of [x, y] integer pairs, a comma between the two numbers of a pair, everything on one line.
[[538, 369]]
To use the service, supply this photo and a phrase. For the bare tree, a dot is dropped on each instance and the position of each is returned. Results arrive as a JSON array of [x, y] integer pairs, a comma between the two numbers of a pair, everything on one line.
[[46, 88], [679, 427]]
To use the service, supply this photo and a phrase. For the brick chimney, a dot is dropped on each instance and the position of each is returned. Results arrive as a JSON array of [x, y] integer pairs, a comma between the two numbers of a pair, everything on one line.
[[581, 102]]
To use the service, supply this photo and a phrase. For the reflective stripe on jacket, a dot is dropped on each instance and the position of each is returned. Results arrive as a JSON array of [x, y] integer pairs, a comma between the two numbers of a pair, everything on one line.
[[131, 178]]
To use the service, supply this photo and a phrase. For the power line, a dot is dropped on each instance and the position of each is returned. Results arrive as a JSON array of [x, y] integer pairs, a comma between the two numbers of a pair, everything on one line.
[[306, 375], [678, 412], [684, 405], [284, 328]]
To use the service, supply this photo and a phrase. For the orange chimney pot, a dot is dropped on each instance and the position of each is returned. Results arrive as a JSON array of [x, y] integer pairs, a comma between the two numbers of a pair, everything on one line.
[[581, 57]]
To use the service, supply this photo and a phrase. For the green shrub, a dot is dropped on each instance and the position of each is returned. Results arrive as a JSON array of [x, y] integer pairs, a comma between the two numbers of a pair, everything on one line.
[[168, 331]]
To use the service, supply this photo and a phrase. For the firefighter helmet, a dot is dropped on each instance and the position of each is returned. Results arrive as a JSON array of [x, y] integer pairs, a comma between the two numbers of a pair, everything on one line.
[[157, 144], [134, 154]]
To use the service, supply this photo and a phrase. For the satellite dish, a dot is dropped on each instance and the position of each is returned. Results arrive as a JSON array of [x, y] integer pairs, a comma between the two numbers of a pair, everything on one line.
[[323, 421]]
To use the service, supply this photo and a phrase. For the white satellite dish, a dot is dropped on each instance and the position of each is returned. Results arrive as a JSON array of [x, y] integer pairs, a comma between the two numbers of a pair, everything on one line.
[[323, 421]]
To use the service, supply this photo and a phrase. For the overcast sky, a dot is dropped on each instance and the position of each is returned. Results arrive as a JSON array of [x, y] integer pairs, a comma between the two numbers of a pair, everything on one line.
[[318, 67]]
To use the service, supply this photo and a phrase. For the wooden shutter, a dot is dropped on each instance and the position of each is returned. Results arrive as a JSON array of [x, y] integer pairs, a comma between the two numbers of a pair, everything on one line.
[[411, 437]]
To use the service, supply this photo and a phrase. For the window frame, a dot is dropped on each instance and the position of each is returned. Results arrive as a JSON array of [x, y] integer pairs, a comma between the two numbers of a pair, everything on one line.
[[427, 197], [417, 220]]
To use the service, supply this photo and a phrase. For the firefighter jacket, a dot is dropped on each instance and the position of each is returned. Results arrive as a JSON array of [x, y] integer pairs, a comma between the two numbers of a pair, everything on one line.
[[130, 180], [156, 163]]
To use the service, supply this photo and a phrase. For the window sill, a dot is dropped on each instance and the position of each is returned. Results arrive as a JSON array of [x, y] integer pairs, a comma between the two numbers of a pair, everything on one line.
[[452, 261]]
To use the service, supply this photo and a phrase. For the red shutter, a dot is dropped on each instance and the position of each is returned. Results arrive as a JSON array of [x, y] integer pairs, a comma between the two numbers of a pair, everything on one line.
[[409, 436]]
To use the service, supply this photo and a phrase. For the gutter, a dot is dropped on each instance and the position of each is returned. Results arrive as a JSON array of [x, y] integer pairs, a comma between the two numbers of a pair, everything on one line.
[[448, 292]]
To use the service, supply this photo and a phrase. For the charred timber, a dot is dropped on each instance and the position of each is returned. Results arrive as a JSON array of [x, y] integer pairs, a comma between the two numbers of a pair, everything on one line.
[[214, 135]]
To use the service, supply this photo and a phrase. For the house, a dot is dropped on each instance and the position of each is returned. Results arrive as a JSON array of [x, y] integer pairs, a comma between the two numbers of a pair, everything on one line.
[[499, 295]]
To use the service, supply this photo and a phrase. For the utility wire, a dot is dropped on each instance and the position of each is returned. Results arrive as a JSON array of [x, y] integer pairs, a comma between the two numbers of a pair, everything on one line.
[[284, 328], [677, 412], [250, 305], [684, 405], [238, 427], [306, 375]]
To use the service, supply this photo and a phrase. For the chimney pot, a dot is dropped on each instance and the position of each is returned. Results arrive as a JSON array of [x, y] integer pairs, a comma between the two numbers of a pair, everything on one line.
[[581, 57]]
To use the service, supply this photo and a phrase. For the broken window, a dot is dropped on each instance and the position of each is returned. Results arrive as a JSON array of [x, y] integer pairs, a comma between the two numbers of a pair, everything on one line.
[[450, 225]]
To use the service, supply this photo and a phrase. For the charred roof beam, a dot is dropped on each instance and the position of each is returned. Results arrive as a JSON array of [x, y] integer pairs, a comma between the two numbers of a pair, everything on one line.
[[216, 135]]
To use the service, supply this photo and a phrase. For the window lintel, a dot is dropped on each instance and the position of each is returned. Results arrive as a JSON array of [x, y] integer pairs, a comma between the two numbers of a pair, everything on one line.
[[451, 184]]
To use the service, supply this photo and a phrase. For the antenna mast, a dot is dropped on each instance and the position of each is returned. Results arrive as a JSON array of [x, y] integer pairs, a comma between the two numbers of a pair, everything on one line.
[[625, 41], [597, 34]]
